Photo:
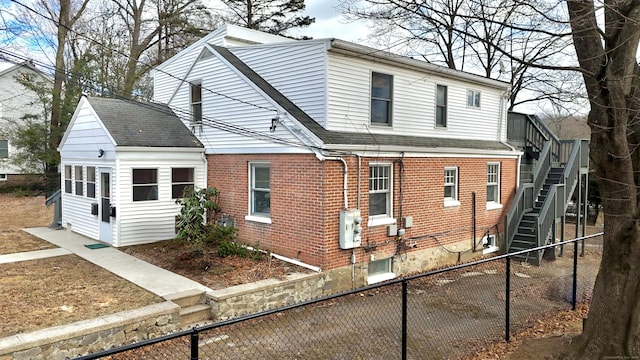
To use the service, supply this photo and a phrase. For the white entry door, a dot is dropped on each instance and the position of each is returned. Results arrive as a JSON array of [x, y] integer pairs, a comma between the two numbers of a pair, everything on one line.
[[106, 228]]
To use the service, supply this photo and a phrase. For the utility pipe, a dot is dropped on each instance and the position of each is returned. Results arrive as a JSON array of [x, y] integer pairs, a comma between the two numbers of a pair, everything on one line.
[[344, 175]]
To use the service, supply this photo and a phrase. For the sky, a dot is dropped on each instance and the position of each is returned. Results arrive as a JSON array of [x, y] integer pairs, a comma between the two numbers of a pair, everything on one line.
[[329, 24]]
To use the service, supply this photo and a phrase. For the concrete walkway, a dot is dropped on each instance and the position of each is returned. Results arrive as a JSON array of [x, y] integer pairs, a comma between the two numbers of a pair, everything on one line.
[[150, 277]]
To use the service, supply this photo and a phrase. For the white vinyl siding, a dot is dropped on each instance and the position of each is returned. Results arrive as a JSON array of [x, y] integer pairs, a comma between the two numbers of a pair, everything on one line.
[[413, 103], [298, 72], [229, 120], [147, 221], [86, 137]]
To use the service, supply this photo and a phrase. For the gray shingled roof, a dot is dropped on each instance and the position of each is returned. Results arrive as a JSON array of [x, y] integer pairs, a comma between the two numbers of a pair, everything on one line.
[[351, 138], [143, 124]]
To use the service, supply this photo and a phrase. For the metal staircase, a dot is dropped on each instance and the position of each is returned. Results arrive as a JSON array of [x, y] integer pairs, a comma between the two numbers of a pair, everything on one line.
[[556, 169]]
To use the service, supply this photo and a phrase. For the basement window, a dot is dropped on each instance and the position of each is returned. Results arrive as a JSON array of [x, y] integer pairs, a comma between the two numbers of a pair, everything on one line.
[[380, 270], [3, 177], [489, 244]]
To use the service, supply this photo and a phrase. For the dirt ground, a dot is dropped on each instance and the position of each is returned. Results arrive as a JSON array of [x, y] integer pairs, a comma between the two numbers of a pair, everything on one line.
[[47, 292], [208, 268]]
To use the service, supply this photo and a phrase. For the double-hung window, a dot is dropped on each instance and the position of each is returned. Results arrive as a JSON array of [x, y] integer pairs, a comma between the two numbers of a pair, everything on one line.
[[493, 184], [67, 179], [473, 98], [441, 106], [79, 179], [380, 194], [381, 91], [451, 186], [196, 103], [145, 184], [91, 182], [4, 149], [181, 182], [260, 189]]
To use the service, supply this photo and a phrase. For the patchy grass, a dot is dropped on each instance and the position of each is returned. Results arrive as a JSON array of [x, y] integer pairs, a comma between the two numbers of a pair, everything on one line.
[[41, 293]]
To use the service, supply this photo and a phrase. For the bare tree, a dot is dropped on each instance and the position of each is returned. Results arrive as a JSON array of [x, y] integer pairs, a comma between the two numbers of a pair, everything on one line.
[[478, 36]]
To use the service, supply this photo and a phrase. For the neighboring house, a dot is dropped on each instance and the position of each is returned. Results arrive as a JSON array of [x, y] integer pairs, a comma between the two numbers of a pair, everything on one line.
[[355, 161], [16, 103], [123, 166]]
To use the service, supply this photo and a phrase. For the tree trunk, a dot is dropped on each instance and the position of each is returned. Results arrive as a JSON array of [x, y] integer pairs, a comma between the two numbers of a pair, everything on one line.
[[612, 329]]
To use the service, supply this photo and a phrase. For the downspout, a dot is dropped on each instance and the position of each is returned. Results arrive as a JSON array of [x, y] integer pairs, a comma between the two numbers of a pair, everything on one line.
[[344, 175], [346, 206]]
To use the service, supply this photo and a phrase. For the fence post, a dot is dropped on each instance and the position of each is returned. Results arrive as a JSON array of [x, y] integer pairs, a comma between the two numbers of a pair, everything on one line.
[[574, 292], [507, 300], [194, 345], [404, 319]]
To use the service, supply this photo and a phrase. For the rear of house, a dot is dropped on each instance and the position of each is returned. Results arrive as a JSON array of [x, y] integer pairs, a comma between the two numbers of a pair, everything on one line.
[[351, 160]]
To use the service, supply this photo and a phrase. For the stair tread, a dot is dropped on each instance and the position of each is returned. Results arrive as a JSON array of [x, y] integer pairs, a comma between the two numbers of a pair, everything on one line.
[[194, 309]]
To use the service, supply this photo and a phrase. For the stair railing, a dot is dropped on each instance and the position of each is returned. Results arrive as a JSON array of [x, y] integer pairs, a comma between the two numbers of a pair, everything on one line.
[[526, 195], [557, 200]]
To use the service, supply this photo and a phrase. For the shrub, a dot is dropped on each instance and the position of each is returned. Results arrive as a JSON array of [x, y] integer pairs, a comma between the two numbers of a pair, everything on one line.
[[190, 223]]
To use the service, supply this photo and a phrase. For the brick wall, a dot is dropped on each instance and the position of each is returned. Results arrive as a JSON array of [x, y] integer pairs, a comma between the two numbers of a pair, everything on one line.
[[306, 199]]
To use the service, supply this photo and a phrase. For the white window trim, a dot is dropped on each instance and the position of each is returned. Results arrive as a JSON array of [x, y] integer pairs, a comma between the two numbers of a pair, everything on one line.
[[454, 201], [473, 105], [493, 205], [376, 278], [389, 123], [266, 218], [491, 248], [385, 219], [446, 106], [3, 177], [156, 184]]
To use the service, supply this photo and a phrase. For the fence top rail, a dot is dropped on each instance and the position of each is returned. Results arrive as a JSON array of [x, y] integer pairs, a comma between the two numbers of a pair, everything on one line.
[[196, 330]]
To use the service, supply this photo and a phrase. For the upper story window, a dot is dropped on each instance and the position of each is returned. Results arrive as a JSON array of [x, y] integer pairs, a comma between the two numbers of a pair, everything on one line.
[[380, 193], [181, 182], [473, 98], [441, 106], [67, 179], [196, 103], [381, 90], [451, 186], [78, 173], [4, 149], [260, 189], [145, 184], [493, 183], [91, 182]]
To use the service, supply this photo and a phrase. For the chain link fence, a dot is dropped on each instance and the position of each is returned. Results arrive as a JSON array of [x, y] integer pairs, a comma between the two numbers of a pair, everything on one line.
[[443, 314]]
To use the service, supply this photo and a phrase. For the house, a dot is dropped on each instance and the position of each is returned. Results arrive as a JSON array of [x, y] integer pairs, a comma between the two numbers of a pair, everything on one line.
[[18, 105], [123, 166], [361, 163]]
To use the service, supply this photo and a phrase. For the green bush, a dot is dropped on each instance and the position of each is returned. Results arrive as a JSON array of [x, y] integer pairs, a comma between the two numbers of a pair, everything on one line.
[[190, 223]]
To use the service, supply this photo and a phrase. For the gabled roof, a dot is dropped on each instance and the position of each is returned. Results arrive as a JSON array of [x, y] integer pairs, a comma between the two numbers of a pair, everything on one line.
[[349, 138], [143, 124], [25, 65]]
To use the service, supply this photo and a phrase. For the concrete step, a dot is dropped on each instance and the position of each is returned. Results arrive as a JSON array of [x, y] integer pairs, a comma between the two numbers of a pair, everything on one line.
[[194, 314], [187, 298]]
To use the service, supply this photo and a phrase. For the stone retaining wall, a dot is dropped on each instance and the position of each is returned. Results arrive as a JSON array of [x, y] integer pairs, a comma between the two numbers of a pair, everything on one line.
[[90, 336], [263, 295]]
